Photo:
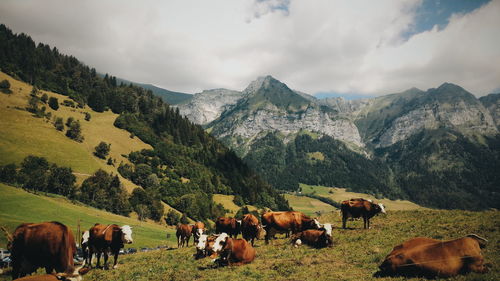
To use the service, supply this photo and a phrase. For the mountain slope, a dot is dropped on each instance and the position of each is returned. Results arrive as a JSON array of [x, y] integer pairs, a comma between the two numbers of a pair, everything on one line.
[[492, 103]]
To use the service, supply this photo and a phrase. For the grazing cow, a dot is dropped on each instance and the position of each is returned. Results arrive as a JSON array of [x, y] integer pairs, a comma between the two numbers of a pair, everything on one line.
[[283, 222], [198, 230], [85, 247], [433, 258], [108, 238], [318, 238], [204, 247], [230, 226], [183, 234], [250, 227], [75, 276], [359, 207], [50, 245], [233, 251]]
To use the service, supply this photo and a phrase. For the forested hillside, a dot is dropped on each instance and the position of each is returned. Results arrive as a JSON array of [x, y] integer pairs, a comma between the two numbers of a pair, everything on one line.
[[186, 165]]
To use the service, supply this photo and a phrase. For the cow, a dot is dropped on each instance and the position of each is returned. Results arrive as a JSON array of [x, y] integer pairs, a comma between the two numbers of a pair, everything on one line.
[[198, 230], [283, 222], [108, 238], [250, 227], [75, 276], [50, 245], [233, 251], [359, 207], [434, 258], [204, 246], [231, 226], [84, 243], [318, 238], [183, 234]]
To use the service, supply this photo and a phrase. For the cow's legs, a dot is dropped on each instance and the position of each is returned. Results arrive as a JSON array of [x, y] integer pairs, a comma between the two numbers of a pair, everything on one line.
[[187, 241], [106, 259], [116, 258], [98, 255], [178, 241], [344, 220], [477, 265]]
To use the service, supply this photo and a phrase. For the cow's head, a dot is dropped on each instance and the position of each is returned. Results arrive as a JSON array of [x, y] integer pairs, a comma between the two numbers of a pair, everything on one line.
[[127, 234], [75, 276], [220, 242], [382, 209], [199, 232], [202, 242], [85, 237], [328, 229]]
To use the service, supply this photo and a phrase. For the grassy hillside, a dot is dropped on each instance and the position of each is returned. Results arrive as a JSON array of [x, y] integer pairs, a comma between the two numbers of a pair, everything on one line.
[[21, 134], [355, 255], [18, 206], [307, 205], [228, 203], [340, 194]]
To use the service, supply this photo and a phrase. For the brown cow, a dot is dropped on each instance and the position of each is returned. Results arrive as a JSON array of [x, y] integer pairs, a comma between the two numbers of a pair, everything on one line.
[[75, 276], [359, 207], [318, 238], [183, 234], [50, 245], [433, 258], [233, 251], [198, 230], [108, 238], [250, 227], [283, 222], [230, 226]]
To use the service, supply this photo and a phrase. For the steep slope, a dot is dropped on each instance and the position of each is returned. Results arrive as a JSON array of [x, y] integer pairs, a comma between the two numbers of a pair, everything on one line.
[[208, 105], [492, 103], [268, 106]]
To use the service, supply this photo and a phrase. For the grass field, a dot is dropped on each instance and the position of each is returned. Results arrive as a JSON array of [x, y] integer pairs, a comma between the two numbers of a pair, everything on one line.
[[355, 255], [21, 134], [340, 194], [18, 206], [307, 205]]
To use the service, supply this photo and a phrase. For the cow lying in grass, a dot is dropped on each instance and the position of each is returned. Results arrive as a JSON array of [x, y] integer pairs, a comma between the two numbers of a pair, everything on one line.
[[318, 238], [75, 276], [204, 246], [434, 258], [233, 251]]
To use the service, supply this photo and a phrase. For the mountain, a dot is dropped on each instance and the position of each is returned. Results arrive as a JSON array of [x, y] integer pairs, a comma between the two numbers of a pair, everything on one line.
[[416, 145], [492, 103], [167, 96], [181, 165]]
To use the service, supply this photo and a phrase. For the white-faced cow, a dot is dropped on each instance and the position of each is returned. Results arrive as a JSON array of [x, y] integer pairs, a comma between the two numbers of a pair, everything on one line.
[[108, 238], [84, 243], [204, 246], [231, 226], [359, 207], [283, 222], [233, 251], [198, 230], [250, 227], [318, 238], [434, 258], [50, 245]]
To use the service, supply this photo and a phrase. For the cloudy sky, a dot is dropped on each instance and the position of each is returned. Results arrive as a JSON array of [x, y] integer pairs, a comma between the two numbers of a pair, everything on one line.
[[349, 47]]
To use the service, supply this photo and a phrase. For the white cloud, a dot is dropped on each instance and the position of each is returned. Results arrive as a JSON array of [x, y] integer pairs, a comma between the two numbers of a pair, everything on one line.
[[313, 46]]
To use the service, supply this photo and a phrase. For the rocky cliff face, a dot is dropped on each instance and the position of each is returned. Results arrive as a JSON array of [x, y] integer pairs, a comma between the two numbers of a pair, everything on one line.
[[268, 105], [492, 103], [208, 105]]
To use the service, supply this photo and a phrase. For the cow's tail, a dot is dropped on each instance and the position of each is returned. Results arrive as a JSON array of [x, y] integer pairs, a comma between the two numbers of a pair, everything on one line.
[[8, 235], [482, 241]]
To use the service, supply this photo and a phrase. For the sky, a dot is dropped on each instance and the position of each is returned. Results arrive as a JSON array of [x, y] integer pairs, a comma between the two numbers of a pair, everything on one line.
[[348, 48]]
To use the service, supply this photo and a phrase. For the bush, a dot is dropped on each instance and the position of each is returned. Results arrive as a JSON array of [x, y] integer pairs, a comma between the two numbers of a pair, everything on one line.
[[110, 161], [75, 131], [8, 173], [59, 124], [184, 219], [87, 116], [44, 98], [53, 103], [5, 86], [172, 217], [102, 150], [69, 121]]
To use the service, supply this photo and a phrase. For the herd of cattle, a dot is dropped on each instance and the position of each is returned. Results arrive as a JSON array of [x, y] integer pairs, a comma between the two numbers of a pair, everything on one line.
[[51, 245]]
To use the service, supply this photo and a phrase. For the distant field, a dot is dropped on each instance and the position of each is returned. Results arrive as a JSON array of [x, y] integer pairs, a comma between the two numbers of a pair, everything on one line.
[[355, 255], [227, 202], [340, 194], [18, 206], [21, 134], [307, 205]]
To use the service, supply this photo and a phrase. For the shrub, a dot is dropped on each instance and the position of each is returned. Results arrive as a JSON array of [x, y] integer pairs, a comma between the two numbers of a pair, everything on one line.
[[102, 150], [59, 124], [5, 86], [53, 103]]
